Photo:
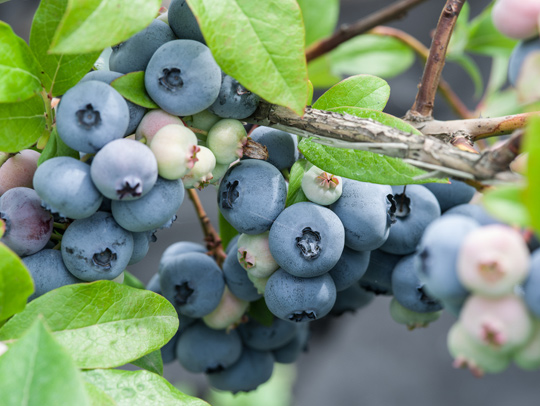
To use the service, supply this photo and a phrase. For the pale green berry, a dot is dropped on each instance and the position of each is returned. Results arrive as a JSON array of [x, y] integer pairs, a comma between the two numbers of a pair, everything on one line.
[[201, 173], [219, 171], [228, 312], [204, 120], [152, 122], [528, 356], [411, 319], [259, 283], [254, 255], [321, 187], [226, 139]]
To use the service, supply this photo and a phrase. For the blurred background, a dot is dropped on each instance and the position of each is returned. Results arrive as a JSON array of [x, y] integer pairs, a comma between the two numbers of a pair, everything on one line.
[[364, 358]]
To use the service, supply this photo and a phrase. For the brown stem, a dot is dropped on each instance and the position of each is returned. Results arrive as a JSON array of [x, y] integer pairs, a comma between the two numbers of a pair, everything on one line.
[[500, 157], [425, 98], [211, 236], [346, 32], [423, 52]]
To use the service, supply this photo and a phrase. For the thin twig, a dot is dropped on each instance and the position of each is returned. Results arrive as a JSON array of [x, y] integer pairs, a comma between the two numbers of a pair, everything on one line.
[[212, 238], [423, 52], [425, 98], [346, 32]]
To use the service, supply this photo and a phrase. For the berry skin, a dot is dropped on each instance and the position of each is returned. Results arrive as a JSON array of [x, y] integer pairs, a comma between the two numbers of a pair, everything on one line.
[[520, 53], [528, 356], [28, 226], [201, 172], [65, 187], [96, 248], [192, 282], [203, 120], [202, 349], [18, 171], [182, 77], [152, 122], [259, 337], [411, 319], [251, 195], [531, 287], [183, 22], [473, 211], [234, 100], [416, 208], [516, 19], [251, 370], [451, 194], [135, 53], [366, 229], [322, 187], [306, 240], [228, 312], [90, 115], [282, 146], [237, 279], [48, 272], [352, 265], [254, 255], [493, 260], [226, 139], [351, 299], [141, 245], [290, 352], [299, 299], [378, 276], [152, 211], [181, 247]]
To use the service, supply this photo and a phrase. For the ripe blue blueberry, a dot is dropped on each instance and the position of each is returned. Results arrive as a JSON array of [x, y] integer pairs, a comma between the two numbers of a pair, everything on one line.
[[141, 245], [378, 276], [531, 287], [282, 146], [262, 338], [352, 265], [351, 299], [520, 53], [234, 100], [451, 194], [183, 22], [289, 353]]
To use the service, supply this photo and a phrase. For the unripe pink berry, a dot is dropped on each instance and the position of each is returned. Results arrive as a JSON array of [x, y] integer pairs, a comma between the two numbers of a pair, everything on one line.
[[152, 122], [516, 18], [228, 312], [175, 148], [18, 171]]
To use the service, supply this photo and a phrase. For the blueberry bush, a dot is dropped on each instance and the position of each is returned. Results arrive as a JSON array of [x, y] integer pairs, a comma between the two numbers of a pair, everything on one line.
[[324, 202]]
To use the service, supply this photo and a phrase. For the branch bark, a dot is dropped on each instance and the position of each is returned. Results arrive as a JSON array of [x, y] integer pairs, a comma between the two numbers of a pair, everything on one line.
[[346, 32], [425, 98]]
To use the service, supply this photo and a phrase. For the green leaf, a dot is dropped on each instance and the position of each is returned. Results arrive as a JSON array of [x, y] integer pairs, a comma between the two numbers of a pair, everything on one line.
[[129, 388], [133, 281], [36, 370], [503, 103], [259, 311], [151, 362], [131, 86], [19, 71], [260, 44], [21, 124], [295, 193], [506, 204], [102, 324], [16, 284], [460, 36], [97, 397], [472, 69], [226, 231], [320, 18], [357, 91], [58, 72], [56, 147], [531, 145], [485, 39], [92, 25], [320, 73], [372, 54]]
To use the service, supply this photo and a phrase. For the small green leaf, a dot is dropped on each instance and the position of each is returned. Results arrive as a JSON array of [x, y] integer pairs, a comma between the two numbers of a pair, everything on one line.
[[502, 103], [97, 397], [320, 73], [295, 193], [36, 370], [131, 86], [151, 362], [320, 18], [58, 72], [129, 388], [365, 91], [372, 54], [102, 324], [265, 54], [133, 281], [226, 231], [56, 147], [21, 124], [259, 311], [460, 36], [16, 284], [92, 25], [19, 71], [531, 195], [506, 203]]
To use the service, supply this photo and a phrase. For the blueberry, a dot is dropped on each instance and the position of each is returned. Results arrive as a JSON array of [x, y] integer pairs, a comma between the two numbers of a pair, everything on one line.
[[366, 211], [306, 239], [254, 255], [378, 276], [153, 284], [251, 195], [237, 278], [48, 272], [168, 351], [183, 22], [96, 248], [18, 171], [411, 319], [408, 290], [182, 247], [251, 370], [416, 208], [202, 349], [90, 115], [124, 170], [531, 287], [451, 194], [182, 77], [134, 54], [152, 211], [520, 53], [299, 299], [282, 146], [352, 265], [152, 122], [234, 100], [141, 245], [65, 186], [351, 299], [262, 338], [228, 313], [226, 140], [474, 211], [289, 353], [321, 187], [192, 282], [28, 226]]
